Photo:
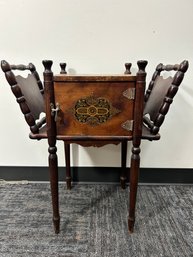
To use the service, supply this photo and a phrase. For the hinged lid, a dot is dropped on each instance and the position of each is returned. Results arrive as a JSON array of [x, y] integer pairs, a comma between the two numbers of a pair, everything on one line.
[[93, 78]]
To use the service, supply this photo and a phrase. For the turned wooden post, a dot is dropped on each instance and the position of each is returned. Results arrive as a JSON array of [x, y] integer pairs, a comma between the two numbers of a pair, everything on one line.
[[137, 132], [51, 131], [63, 68], [123, 177], [128, 68], [66, 145], [68, 167]]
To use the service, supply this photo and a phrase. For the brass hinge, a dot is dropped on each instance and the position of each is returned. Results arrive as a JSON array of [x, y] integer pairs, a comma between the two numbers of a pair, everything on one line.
[[129, 93], [128, 125]]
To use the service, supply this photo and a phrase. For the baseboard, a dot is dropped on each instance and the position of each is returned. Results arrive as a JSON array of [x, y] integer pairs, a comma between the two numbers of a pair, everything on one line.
[[98, 174]]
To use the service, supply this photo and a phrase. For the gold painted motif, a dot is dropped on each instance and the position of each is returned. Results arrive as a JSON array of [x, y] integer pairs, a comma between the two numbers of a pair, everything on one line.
[[94, 111]]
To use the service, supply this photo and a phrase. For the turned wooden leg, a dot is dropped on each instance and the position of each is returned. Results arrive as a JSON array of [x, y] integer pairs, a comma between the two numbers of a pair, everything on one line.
[[123, 177], [137, 133], [68, 168], [53, 167], [134, 174], [51, 132]]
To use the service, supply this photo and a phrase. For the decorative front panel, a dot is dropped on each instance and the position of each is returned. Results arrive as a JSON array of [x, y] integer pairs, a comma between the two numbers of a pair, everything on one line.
[[93, 111], [93, 108]]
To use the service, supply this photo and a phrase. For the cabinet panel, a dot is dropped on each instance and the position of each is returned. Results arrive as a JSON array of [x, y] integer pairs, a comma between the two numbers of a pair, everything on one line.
[[102, 108]]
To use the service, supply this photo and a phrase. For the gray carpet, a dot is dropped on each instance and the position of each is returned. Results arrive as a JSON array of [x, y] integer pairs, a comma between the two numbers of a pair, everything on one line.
[[94, 222]]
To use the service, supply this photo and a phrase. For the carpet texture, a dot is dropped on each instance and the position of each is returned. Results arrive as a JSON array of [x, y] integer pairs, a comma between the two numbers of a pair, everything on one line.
[[94, 222]]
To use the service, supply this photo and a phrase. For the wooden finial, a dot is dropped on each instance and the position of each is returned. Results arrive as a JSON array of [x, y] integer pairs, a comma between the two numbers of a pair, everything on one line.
[[183, 66], [159, 67], [63, 68], [141, 65], [5, 66], [47, 65], [128, 67], [32, 67]]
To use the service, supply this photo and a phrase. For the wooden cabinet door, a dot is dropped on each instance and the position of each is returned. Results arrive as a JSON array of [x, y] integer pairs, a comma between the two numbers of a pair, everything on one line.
[[95, 106]]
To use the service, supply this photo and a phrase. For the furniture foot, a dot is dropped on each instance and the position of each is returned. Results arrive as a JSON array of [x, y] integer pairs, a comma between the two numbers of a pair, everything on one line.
[[68, 183], [123, 182], [131, 223], [56, 222]]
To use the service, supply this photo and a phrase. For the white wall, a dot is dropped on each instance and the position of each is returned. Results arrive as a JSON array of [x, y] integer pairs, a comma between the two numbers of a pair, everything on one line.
[[97, 36]]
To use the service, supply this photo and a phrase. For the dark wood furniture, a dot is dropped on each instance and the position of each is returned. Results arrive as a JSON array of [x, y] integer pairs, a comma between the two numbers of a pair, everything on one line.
[[94, 110], [97, 110]]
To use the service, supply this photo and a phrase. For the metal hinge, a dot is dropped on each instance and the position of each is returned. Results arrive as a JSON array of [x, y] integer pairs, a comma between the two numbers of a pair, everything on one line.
[[129, 93], [54, 111], [128, 125]]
